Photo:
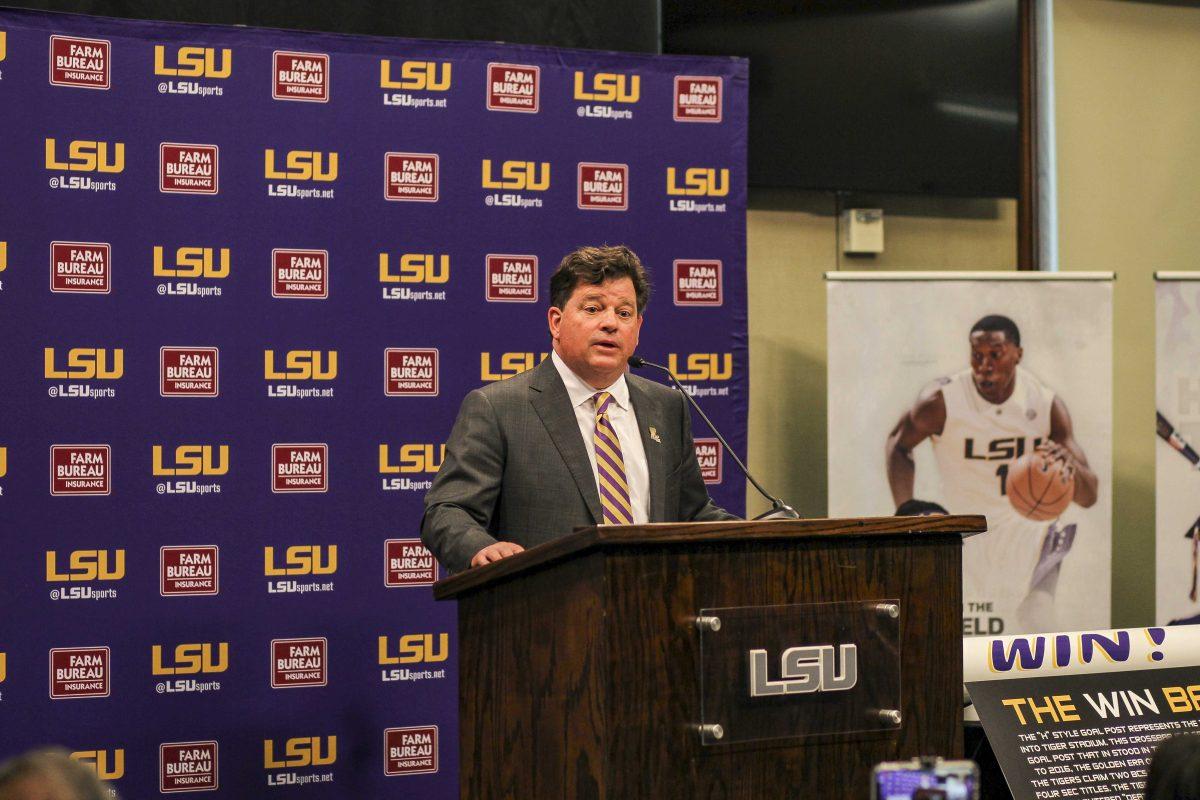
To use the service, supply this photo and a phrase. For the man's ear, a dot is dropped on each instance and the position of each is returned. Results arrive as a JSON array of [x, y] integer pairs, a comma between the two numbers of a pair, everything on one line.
[[553, 318]]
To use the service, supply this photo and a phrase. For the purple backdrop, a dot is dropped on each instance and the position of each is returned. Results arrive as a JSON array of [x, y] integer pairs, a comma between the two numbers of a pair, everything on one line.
[[205, 251]]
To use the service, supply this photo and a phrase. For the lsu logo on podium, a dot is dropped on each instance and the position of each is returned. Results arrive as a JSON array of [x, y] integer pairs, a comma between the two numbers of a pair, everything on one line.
[[702, 366], [187, 766], [416, 76], [80, 672], [109, 765], [188, 569], [505, 365], [300, 76], [414, 268], [410, 751], [698, 182], [193, 62], [301, 165], [85, 63], [513, 87], [301, 365], [84, 364], [83, 267], [711, 456], [190, 659], [414, 648], [408, 562], [85, 566], [411, 459], [192, 262], [300, 751], [300, 468], [607, 87], [191, 459], [533, 176], [302, 559], [698, 98], [299, 662], [81, 469], [83, 155], [411, 177]]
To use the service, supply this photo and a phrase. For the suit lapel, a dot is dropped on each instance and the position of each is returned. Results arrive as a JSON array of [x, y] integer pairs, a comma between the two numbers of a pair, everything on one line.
[[553, 405], [650, 416]]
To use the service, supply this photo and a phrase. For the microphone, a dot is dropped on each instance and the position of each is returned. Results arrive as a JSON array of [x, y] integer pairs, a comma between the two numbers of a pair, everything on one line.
[[779, 509]]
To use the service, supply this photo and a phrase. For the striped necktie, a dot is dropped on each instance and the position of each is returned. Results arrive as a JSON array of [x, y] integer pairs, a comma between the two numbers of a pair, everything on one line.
[[610, 467]]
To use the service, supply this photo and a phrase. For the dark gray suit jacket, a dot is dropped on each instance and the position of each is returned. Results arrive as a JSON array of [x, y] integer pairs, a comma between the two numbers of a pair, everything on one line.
[[516, 467]]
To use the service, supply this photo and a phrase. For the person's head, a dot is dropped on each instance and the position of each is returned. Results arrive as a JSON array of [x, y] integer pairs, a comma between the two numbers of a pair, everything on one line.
[[49, 775], [597, 297], [1175, 769], [995, 353]]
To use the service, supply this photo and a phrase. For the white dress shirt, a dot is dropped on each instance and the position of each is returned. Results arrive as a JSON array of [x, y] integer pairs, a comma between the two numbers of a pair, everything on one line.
[[624, 422]]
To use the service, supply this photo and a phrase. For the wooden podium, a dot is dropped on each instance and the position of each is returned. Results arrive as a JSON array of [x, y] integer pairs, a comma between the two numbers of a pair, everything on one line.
[[582, 671]]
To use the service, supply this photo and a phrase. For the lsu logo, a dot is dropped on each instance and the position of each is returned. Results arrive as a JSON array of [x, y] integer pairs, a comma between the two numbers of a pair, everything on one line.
[[300, 468], [3, 666], [302, 165], [191, 659], [518, 175], [1003, 449], [411, 458], [698, 98], [192, 459], [80, 469], [86, 156], [414, 268], [192, 262], [508, 364], [410, 751], [312, 559], [109, 765], [83, 267], [302, 751], [80, 672], [187, 766], [698, 182], [85, 363], [301, 365], [3, 245], [608, 87], [3, 45], [85, 63], [416, 76], [85, 566], [194, 62], [301, 76], [513, 87], [299, 662], [3, 461], [702, 367], [414, 648]]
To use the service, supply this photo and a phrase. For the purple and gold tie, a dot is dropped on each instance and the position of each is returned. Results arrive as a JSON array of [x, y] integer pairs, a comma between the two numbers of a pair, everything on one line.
[[610, 467]]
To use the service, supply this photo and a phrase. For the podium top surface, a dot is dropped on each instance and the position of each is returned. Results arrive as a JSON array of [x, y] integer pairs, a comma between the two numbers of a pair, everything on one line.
[[694, 533]]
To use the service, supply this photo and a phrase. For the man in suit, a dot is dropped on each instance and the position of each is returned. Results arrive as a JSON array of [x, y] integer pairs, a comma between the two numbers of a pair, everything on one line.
[[576, 440]]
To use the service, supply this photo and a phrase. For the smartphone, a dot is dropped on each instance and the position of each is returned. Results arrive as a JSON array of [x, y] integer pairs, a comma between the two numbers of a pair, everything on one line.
[[925, 779]]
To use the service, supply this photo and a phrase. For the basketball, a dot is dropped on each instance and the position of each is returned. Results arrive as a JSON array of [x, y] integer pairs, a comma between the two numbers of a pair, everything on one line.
[[1040, 488]]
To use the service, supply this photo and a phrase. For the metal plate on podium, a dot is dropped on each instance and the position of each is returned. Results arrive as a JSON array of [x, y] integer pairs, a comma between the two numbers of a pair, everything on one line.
[[793, 671]]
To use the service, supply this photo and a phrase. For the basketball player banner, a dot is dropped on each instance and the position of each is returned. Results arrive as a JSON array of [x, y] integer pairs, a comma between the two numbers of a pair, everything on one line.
[[246, 277], [983, 393], [1177, 462]]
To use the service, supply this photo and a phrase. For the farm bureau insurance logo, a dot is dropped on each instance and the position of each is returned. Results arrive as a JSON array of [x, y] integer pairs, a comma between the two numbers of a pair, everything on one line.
[[409, 459], [516, 179], [410, 751], [189, 570], [189, 61], [190, 265], [83, 267], [513, 87], [80, 469], [411, 176], [420, 83], [602, 187], [601, 91], [299, 662], [86, 63], [285, 371], [300, 166], [189, 371], [300, 274], [407, 269], [299, 468], [711, 457], [408, 562], [697, 282], [187, 767], [300, 76], [87, 156], [698, 98], [88, 567], [401, 657], [410, 372], [187, 168], [511, 279], [299, 752], [683, 185], [80, 672]]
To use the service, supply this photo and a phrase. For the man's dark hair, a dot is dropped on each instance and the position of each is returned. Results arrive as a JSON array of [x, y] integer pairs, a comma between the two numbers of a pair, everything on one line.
[[594, 266], [994, 323], [1175, 769]]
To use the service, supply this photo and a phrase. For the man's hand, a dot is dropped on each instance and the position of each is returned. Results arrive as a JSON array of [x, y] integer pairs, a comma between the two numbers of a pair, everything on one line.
[[495, 552]]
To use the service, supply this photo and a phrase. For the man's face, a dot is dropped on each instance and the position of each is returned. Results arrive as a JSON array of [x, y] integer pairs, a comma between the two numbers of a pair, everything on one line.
[[994, 362], [597, 330]]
